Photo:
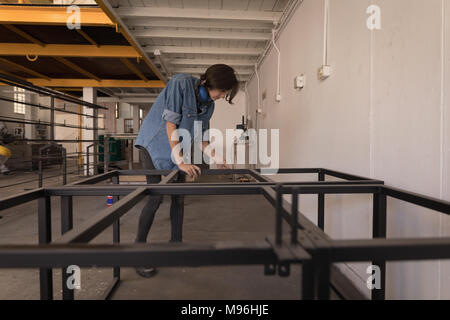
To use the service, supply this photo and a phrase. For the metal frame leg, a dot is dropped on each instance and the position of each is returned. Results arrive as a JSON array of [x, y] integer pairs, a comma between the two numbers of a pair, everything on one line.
[[45, 237], [66, 225], [321, 206], [379, 231], [307, 280]]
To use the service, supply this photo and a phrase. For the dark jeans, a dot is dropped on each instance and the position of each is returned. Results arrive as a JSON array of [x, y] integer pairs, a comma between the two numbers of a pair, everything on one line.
[[153, 203]]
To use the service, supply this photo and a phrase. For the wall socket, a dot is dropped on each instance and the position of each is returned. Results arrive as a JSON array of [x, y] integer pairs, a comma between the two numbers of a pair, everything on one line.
[[299, 82], [324, 72]]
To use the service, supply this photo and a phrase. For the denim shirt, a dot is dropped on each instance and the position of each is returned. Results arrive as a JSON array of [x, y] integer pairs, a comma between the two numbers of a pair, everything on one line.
[[177, 103]]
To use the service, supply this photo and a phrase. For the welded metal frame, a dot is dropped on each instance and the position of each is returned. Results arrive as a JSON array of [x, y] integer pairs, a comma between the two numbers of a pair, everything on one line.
[[308, 244]]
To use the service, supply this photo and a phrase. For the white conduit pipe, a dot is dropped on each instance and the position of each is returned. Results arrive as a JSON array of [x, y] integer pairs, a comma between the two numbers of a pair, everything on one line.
[[258, 109], [325, 32], [278, 96]]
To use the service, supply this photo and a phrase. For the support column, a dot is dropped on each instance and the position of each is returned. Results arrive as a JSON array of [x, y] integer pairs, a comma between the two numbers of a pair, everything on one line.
[[90, 95], [135, 131]]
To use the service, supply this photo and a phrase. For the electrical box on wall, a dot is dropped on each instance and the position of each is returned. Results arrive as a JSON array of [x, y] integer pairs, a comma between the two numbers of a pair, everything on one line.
[[324, 72], [299, 82]]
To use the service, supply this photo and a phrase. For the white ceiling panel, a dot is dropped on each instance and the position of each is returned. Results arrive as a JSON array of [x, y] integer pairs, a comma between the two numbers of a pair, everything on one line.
[[194, 34]]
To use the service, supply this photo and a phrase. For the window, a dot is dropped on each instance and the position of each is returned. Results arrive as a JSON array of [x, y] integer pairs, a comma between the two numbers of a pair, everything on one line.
[[117, 110], [19, 96], [128, 126], [141, 116]]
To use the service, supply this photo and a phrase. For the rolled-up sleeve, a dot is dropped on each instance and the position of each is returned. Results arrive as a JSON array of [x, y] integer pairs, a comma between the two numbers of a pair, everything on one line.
[[173, 101]]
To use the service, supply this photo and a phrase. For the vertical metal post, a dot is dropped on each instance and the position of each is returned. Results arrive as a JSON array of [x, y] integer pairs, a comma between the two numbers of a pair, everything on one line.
[[78, 166], [87, 161], [64, 159], [66, 225], [52, 119], [116, 230], [294, 240], [307, 280], [45, 236], [379, 231], [322, 269], [278, 217], [106, 153], [95, 111], [40, 172], [321, 205]]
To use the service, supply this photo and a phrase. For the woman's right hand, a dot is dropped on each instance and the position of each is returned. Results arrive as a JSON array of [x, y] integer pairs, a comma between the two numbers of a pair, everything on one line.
[[190, 169]]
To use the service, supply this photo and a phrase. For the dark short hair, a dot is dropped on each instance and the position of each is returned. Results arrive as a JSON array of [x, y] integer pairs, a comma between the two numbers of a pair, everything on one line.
[[221, 77]]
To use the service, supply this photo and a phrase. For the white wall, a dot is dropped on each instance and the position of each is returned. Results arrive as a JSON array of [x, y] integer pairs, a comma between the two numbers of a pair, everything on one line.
[[384, 113], [227, 116]]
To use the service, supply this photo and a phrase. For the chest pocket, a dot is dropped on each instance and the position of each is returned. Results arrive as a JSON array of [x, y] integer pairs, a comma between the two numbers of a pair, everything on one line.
[[190, 112]]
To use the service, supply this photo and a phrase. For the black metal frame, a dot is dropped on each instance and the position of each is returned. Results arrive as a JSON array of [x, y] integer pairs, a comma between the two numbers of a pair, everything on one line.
[[308, 244]]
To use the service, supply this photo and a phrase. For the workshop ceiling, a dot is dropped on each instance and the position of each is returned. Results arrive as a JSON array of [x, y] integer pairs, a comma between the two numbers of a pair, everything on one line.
[[37, 45], [130, 48], [187, 36]]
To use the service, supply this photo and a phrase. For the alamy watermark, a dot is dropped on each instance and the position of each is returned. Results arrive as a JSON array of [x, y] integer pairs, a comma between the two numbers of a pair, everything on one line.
[[74, 20], [374, 20], [74, 280], [374, 279], [236, 141]]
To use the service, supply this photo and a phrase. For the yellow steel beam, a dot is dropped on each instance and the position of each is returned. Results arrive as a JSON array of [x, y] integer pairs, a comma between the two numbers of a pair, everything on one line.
[[67, 89], [87, 37], [24, 34], [105, 83], [152, 67], [12, 74], [133, 68], [27, 70], [52, 16], [78, 69], [67, 50]]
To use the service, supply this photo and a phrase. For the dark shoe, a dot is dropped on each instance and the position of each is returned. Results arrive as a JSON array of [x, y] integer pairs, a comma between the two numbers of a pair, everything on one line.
[[147, 272]]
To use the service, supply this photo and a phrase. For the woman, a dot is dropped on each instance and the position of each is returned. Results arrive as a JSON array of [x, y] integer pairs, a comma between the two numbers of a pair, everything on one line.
[[183, 101]]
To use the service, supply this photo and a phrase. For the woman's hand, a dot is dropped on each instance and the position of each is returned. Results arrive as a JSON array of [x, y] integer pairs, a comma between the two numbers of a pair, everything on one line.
[[191, 170]]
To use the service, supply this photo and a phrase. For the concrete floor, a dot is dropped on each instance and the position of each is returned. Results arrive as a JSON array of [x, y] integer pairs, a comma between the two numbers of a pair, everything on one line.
[[207, 219]]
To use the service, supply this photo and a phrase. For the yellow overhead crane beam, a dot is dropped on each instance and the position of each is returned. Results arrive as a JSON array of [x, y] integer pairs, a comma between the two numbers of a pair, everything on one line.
[[68, 50], [104, 83], [10, 15], [52, 16]]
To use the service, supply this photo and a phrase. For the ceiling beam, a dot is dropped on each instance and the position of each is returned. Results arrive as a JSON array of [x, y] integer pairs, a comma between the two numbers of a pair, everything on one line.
[[174, 13], [213, 35], [206, 50], [76, 68], [104, 83], [188, 23], [67, 50], [51, 16], [209, 62], [12, 75], [27, 70], [123, 29], [132, 68], [68, 89], [24, 34], [87, 37]]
